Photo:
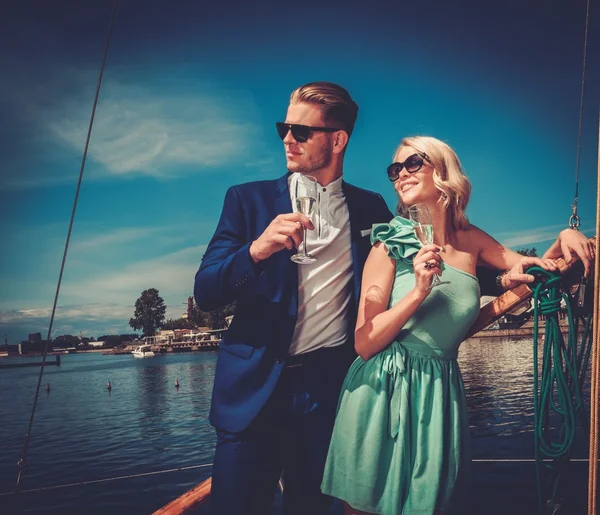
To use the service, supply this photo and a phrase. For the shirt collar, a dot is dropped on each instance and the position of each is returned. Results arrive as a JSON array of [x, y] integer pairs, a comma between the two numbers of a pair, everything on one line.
[[333, 187]]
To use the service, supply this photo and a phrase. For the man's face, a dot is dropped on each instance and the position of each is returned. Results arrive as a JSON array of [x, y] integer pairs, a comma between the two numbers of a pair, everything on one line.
[[314, 154]]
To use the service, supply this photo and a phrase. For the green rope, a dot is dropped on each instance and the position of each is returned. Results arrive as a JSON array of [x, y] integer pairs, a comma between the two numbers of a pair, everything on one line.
[[557, 390]]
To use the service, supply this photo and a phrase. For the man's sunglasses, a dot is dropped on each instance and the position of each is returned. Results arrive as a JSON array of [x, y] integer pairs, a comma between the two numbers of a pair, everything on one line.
[[412, 164], [301, 133]]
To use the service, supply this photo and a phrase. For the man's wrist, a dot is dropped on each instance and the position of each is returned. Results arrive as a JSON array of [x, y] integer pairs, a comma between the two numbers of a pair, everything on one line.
[[252, 253], [257, 263]]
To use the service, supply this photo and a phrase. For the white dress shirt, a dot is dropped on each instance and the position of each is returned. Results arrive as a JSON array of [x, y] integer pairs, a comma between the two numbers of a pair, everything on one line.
[[324, 287]]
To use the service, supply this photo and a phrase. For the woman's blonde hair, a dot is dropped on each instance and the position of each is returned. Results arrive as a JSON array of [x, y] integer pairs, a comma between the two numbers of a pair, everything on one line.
[[448, 177]]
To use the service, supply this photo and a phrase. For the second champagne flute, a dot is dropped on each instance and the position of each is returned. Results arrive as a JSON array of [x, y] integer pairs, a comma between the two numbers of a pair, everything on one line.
[[306, 201]]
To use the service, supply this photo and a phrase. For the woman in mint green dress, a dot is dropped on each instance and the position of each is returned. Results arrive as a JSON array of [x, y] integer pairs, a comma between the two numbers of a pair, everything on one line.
[[400, 444]]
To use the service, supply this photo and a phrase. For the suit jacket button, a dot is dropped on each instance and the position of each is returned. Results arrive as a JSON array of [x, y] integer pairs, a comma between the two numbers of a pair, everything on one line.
[[280, 361]]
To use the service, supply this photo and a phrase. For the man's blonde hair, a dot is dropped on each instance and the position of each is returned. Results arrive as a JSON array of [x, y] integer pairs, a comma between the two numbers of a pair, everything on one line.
[[336, 105], [448, 177]]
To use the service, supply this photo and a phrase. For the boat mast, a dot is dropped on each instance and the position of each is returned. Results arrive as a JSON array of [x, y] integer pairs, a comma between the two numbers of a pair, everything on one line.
[[595, 361]]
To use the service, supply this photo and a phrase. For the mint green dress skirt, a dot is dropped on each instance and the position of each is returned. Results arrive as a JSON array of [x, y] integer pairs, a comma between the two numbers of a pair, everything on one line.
[[400, 445]]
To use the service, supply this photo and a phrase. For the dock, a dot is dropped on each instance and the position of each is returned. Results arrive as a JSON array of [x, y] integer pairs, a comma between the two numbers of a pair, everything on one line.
[[34, 364]]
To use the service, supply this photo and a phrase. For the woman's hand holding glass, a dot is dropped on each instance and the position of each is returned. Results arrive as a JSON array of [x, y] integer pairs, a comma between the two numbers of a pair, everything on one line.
[[422, 222], [427, 264]]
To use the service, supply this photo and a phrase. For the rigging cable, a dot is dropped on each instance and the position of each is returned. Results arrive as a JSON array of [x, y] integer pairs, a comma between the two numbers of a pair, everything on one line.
[[574, 220], [22, 462]]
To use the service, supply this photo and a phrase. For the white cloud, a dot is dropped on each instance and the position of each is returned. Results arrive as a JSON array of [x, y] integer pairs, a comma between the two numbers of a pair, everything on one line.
[[93, 311], [104, 303], [116, 237], [100, 286], [528, 237], [89, 319], [172, 274], [137, 130], [159, 128]]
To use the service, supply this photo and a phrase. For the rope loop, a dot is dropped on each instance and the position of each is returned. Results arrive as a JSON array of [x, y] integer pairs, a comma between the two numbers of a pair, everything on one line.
[[545, 280]]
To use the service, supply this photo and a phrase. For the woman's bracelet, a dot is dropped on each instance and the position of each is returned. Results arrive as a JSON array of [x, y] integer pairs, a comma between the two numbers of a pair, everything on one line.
[[499, 284]]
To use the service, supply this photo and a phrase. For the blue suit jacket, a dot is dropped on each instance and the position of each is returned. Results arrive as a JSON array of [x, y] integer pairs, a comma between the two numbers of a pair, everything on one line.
[[253, 351]]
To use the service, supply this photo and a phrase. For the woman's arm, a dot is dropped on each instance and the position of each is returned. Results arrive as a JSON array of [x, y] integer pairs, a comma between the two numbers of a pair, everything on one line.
[[492, 253], [495, 255], [376, 325]]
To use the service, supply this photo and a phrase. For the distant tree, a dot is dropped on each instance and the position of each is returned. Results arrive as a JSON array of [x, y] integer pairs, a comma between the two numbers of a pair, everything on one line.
[[128, 337], [532, 252], [65, 340], [111, 340], [215, 319], [197, 318], [177, 323], [149, 314]]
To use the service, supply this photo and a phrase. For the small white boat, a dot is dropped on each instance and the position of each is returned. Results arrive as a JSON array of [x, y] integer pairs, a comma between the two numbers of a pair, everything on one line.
[[143, 351]]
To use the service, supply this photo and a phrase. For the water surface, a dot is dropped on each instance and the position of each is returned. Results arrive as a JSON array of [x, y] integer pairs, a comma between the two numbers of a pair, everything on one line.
[[144, 424]]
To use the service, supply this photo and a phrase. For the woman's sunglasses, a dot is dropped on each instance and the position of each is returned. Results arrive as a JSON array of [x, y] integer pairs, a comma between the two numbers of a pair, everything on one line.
[[412, 164], [301, 133]]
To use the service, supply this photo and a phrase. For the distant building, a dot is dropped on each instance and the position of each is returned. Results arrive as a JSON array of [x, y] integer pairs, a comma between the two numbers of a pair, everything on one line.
[[179, 333], [96, 344], [7, 349], [35, 347]]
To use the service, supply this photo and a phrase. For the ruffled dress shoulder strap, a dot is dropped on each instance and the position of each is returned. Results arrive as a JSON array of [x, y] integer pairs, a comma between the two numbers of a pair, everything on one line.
[[398, 237]]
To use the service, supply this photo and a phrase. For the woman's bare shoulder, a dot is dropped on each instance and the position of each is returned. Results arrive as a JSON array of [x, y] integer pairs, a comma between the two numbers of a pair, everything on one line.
[[474, 240], [473, 234]]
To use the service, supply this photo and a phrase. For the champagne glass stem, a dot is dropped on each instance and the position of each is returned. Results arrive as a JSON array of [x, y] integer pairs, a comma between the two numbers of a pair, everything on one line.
[[305, 252]]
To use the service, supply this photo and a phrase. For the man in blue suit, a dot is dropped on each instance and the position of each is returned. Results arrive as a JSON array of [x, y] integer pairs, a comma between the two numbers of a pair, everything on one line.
[[285, 355]]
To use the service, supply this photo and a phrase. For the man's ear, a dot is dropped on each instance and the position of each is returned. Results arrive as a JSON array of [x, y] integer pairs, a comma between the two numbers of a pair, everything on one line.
[[340, 140]]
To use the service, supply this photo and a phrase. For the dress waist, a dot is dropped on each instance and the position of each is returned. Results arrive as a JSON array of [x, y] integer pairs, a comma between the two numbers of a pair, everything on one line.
[[420, 350], [395, 360]]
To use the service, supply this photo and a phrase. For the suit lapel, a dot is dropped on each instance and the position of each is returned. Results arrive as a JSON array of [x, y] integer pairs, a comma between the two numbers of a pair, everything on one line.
[[354, 210], [282, 205]]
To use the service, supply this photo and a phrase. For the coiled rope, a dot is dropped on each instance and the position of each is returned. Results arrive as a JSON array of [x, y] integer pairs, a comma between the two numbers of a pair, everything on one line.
[[557, 388]]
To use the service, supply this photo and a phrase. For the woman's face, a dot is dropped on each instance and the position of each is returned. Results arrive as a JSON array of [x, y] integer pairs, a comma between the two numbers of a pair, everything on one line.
[[416, 187]]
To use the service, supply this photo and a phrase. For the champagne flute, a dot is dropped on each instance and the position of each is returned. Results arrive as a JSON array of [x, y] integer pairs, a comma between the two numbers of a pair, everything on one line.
[[422, 223], [306, 201]]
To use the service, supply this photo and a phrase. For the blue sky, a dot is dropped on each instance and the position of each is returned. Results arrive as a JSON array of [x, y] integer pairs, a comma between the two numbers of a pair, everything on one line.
[[187, 108]]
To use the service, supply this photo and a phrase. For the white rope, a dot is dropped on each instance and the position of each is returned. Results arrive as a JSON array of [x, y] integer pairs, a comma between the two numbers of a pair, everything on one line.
[[95, 481], [205, 465]]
